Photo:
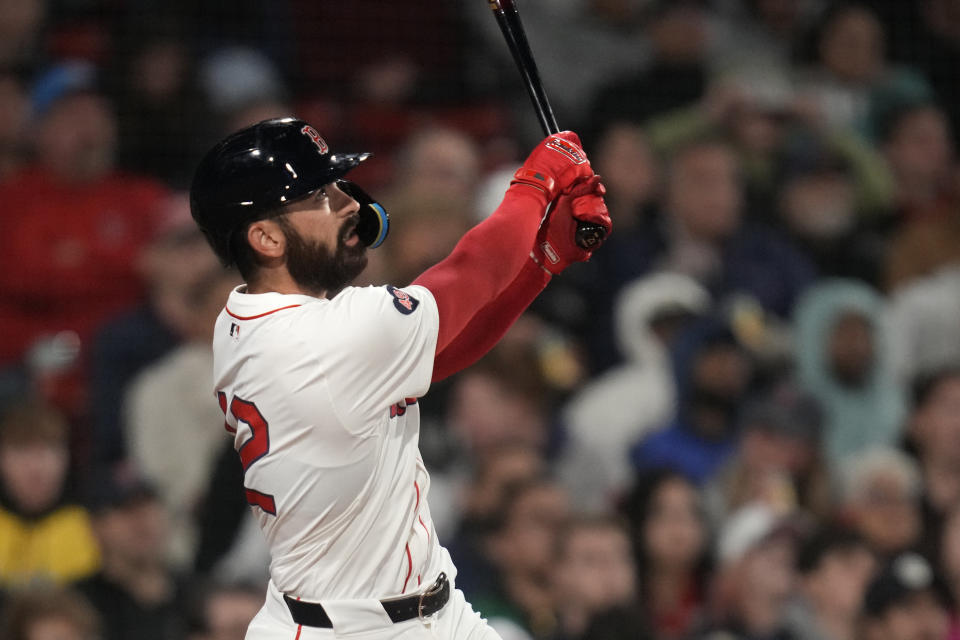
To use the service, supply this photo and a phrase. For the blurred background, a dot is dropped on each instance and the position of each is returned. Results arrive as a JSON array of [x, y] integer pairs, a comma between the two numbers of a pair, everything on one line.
[[741, 419]]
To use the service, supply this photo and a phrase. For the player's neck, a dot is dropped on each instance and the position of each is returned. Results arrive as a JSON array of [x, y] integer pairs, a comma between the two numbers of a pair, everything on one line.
[[278, 280]]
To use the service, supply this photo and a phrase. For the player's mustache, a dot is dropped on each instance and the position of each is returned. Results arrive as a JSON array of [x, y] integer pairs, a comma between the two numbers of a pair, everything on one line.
[[349, 225]]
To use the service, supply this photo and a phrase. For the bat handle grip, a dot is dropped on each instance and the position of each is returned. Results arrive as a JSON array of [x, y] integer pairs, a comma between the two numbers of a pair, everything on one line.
[[588, 235]]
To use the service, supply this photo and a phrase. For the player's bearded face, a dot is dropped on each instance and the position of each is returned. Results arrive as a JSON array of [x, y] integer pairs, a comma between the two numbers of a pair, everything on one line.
[[315, 268]]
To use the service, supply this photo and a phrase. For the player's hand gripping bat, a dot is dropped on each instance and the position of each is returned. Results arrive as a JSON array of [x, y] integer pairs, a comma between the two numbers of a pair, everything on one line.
[[587, 235]]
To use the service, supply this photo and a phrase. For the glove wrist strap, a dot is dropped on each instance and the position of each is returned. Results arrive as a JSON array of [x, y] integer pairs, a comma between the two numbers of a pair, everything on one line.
[[535, 179]]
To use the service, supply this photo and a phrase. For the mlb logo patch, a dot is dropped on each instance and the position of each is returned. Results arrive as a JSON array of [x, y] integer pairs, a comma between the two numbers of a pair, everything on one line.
[[235, 331], [403, 301]]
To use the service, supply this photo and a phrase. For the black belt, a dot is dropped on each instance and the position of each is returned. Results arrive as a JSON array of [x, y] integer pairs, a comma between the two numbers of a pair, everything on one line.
[[312, 614]]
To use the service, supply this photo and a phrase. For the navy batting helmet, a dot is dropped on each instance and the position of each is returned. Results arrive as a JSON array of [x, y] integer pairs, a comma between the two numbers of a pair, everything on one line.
[[256, 171]]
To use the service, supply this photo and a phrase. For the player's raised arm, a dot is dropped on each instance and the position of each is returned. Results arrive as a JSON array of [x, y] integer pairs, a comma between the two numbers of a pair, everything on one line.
[[554, 250], [490, 256]]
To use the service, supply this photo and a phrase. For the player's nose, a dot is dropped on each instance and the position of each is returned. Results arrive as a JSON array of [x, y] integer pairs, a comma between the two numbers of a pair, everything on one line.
[[343, 203]]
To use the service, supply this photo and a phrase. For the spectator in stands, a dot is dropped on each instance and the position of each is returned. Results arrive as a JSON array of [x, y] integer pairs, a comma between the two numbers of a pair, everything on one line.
[[187, 430], [927, 34], [677, 72], [918, 148], [778, 460], [924, 333], [494, 475], [631, 173], [766, 30], [433, 195], [499, 401], [835, 565], [522, 547], [162, 116], [20, 32], [713, 374], [755, 576], [593, 572], [703, 234], [916, 142], [633, 399], [934, 433], [670, 540], [880, 499], [849, 77], [409, 54], [843, 361], [46, 613], [227, 610], [819, 207], [906, 601], [135, 593], [173, 264], [43, 534], [70, 260]]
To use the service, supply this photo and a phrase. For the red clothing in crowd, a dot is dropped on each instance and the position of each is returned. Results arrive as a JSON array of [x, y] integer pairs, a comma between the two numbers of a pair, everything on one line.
[[69, 254]]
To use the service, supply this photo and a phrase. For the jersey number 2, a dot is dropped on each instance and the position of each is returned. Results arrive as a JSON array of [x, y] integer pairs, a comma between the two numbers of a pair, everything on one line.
[[254, 447]]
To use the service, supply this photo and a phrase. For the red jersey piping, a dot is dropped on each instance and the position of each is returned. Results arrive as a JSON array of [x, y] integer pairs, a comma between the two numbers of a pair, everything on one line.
[[409, 569], [259, 315]]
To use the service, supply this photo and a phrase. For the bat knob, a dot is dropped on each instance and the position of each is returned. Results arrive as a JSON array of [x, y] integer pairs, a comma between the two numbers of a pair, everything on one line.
[[589, 236]]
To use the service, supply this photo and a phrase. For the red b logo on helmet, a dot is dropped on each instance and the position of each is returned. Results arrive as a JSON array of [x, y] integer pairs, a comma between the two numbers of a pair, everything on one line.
[[317, 140]]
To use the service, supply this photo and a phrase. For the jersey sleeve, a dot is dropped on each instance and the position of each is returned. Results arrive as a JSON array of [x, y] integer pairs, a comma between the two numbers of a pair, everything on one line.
[[385, 349]]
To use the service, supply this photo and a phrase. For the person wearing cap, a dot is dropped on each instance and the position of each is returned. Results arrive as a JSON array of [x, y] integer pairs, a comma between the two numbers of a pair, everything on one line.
[[755, 575], [74, 224], [906, 601], [135, 593], [778, 457]]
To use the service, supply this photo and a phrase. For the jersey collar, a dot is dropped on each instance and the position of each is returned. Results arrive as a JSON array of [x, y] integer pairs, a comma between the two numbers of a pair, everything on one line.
[[249, 306]]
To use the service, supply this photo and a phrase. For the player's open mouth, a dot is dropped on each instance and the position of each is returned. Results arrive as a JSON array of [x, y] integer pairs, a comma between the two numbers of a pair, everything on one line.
[[349, 235]]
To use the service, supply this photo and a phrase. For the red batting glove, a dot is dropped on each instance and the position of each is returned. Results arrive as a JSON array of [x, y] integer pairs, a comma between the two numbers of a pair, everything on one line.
[[556, 164], [556, 247]]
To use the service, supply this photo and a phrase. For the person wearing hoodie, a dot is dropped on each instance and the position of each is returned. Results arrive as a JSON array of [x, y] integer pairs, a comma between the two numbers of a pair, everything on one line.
[[713, 374], [842, 361], [631, 400]]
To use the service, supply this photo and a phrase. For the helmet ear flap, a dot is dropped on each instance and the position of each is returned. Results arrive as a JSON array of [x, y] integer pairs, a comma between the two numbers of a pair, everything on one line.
[[374, 222]]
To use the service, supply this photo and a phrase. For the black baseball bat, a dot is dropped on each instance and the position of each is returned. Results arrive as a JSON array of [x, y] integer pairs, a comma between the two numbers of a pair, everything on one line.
[[588, 235]]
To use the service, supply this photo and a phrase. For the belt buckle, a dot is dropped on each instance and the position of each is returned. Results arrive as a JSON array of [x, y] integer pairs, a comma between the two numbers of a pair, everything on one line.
[[436, 588]]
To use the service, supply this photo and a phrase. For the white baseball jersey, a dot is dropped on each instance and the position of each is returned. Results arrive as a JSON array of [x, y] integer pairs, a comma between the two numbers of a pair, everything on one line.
[[321, 396]]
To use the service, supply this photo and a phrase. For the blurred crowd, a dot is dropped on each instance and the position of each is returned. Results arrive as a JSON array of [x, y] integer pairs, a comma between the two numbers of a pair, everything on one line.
[[740, 420]]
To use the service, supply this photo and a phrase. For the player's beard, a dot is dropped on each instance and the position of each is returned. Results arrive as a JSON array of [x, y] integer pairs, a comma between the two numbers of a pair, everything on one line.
[[315, 269]]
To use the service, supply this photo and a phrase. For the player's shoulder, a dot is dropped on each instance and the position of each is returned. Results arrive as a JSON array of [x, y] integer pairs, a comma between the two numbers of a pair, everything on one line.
[[384, 299]]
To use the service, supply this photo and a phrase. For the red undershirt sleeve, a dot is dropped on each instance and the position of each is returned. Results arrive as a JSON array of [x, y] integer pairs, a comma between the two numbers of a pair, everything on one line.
[[485, 262], [490, 324]]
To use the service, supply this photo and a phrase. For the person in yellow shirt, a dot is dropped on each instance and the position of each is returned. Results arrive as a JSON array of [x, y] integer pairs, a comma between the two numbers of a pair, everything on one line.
[[43, 536]]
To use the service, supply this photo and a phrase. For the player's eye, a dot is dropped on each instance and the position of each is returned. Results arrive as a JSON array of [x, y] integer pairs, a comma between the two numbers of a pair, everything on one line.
[[322, 193]]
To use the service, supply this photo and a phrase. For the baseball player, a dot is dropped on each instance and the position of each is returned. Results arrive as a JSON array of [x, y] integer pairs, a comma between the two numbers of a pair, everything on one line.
[[320, 382]]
